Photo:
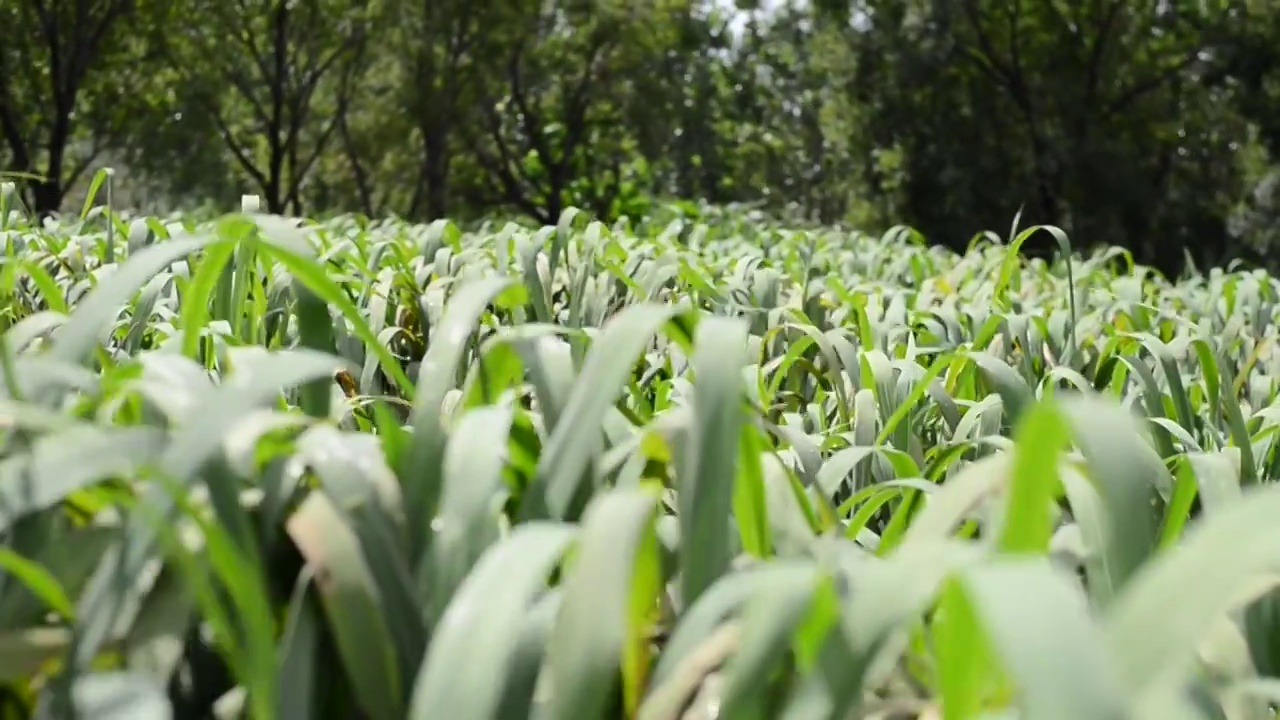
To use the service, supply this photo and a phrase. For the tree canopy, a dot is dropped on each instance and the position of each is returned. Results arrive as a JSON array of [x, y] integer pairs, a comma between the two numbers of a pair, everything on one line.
[[1150, 125]]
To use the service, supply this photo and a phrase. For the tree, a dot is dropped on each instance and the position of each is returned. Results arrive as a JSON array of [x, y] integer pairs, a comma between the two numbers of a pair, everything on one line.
[[446, 58], [74, 79], [784, 109], [555, 112], [275, 76], [1097, 116]]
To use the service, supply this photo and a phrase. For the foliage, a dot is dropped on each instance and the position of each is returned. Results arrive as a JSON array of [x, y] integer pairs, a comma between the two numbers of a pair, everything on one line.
[[57, 63], [263, 468], [1148, 125]]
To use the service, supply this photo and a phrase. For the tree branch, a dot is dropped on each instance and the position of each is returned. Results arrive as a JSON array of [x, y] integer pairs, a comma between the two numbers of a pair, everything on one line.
[[1150, 84], [234, 146]]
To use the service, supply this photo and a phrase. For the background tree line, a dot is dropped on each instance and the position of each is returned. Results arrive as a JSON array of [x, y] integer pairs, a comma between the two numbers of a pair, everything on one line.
[[1152, 124]]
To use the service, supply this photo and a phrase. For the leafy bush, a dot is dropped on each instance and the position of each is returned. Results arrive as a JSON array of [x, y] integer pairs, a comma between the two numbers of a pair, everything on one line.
[[269, 468]]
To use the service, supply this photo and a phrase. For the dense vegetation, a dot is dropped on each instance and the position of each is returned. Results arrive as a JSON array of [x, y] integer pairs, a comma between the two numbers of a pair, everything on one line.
[[678, 469], [1136, 123]]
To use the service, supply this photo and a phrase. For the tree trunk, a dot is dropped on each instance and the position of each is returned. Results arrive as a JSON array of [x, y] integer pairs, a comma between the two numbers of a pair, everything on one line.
[[436, 173], [47, 197]]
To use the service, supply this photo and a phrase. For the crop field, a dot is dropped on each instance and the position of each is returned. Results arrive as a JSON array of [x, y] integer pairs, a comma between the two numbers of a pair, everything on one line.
[[669, 470]]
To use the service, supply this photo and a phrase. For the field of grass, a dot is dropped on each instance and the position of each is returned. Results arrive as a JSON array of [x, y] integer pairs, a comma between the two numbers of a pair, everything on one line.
[[671, 471]]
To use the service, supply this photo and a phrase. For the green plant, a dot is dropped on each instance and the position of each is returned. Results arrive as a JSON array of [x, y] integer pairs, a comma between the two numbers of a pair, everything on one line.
[[273, 468]]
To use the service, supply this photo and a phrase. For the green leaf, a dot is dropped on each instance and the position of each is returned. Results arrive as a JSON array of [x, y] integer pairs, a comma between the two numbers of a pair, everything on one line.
[[1222, 561], [770, 620], [1038, 624], [94, 314], [1130, 479], [608, 597], [464, 672], [257, 380], [62, 463], [467, 523], [575, 440], [352, 603], [39, 581], [420, 469], [1038, 443], [120, 696], [707, 478]]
